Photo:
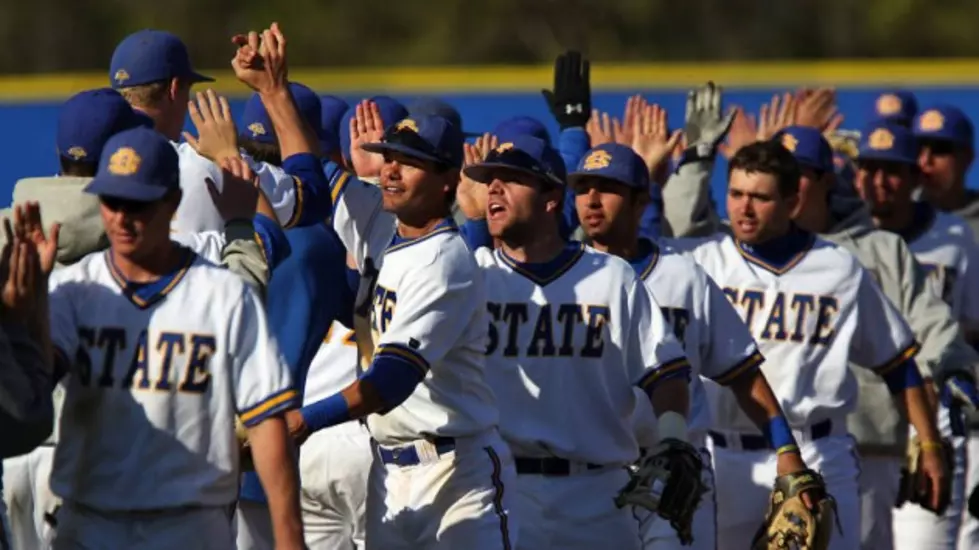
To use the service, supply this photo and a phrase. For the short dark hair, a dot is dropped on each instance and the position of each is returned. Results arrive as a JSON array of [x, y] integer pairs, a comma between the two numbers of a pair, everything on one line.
[[77, 168], [768, 157], [261, 152]]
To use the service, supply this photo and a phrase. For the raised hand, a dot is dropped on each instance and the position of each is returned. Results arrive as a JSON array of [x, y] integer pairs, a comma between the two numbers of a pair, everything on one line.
[[652, 139], [706, 125], [817, 109], [239, 194], [24, 283], [601, 128], [776, 115], [744, 131], [570, 100], [625, 133], [260, 60], [28, 226], [366, 126], [216, 131], [471, 196]]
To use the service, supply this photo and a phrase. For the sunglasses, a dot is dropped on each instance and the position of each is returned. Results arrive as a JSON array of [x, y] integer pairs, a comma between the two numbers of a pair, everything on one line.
[[125, 205], [938, 147]]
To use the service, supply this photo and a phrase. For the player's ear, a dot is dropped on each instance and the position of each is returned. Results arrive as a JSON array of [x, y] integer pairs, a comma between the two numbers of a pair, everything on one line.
[[553, 198], [794, 204]]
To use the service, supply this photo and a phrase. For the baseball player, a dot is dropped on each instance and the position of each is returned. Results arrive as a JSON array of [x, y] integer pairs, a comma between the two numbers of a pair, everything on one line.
[[945, 151], [441, 473], [611, 185], [85, 122], [161, 350], [886, 178], [830, 207], [812, 308], [564, 321], [945, 138], [26, 409], [152, 70], [389, 111], [335, 463]]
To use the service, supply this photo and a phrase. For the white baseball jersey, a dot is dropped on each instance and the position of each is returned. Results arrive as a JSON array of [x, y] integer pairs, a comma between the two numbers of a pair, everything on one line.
[[428, 310], [718, 344], [810, 316], [944, 246], [334, 366], [158, 373], [197, 211], [568, 342]]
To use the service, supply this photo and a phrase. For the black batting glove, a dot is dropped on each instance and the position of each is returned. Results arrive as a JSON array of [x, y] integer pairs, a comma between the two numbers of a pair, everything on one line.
[[570, 101]]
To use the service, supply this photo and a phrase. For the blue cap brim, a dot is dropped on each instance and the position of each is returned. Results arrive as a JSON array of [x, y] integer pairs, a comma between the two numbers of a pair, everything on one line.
[[196, 78], [384, 147], [575, 176], [125, 188], [885, 156], [483, 172]]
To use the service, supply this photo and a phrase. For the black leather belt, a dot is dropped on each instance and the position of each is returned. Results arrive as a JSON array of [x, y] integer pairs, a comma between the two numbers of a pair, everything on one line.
[[752, 442], [548, 466]]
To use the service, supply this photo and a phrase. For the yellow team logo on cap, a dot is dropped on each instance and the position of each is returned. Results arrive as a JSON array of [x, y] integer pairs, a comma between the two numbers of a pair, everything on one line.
[[406, 124], [888, 104], [596, 160], [121, 75], [504, 147], [931, 121], [124, 162], [257, 129], [77, 153], [881, 139], [790, 142]]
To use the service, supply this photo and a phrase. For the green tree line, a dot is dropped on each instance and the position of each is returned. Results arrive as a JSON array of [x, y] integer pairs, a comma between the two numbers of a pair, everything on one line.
[[62, 35]]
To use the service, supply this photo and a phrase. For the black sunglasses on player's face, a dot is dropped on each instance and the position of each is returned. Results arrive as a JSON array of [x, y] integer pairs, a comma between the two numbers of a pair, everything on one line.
[[125, 205]]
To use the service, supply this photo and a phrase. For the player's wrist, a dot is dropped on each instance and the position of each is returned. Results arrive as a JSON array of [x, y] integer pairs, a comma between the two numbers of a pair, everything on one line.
[[672, 425], [779, 435]]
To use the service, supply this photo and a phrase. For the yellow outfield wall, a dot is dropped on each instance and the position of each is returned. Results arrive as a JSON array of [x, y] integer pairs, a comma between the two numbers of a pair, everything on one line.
[[606, 76]]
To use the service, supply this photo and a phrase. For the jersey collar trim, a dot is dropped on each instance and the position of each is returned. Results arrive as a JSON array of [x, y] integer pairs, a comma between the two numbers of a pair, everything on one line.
[[544, 273], [398, 242], [144, 295], [645, 263], [780, 255]]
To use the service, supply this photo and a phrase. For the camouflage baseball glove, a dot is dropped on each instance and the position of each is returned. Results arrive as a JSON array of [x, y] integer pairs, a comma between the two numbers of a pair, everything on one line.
[[913, 490], [667, 482], [789, 523]]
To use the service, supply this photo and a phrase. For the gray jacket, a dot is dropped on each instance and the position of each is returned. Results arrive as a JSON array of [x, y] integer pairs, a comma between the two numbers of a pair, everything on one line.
[[878, 425], [970, 212]]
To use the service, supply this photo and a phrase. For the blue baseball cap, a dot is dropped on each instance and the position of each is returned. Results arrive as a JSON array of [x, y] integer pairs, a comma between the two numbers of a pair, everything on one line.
[[438, 107], [896, 107], [887, 142], [808, 146], [946, 123], [256, 124], [391, 111], [427, 137], [521, 125], [525, 154], [615, 162], [148, 56], [88, 119], [138, 165], [332, 108]]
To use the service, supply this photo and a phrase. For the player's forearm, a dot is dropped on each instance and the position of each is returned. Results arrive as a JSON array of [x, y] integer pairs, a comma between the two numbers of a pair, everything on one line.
[[756, 398], [671, 403], [293, 135], [276, 468], [920, 413]]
